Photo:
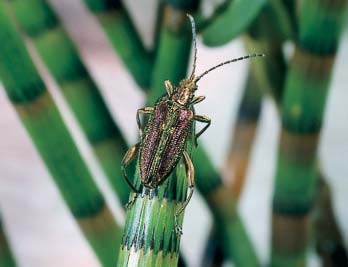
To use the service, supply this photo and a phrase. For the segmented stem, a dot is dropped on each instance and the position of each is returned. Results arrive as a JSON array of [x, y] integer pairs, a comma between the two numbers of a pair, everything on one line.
[[80, 91], [44, 124]]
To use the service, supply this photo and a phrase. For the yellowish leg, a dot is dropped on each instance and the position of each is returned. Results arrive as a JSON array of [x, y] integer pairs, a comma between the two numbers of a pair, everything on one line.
[[203, 119], [143, 111], [128, 157], [190, 175]]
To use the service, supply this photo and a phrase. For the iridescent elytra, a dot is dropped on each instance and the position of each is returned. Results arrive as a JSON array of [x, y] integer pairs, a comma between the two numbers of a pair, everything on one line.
[[170, 124]]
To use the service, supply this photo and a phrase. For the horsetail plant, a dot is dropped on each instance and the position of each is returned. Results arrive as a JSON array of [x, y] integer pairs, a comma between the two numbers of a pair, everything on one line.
[[42, 120], [264, 33], [303, 105], [81, 93], [119, 27], [6, 256], [267, 35], [237, 160]]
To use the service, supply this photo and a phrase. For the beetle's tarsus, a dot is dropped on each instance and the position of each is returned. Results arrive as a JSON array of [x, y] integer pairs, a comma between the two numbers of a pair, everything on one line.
[[203, 119], [131, 202], [178, 229], [128, 157]]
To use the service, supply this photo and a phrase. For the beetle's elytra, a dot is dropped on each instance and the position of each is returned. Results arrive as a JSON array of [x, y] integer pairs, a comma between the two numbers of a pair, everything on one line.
[[171, 123]]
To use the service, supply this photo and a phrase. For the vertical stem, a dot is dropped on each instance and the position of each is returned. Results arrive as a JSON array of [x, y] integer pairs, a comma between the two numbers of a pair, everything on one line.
[[306, 89], [265, 37], [171, 63], [265, 77], [122, 34], [237, 161], [6, 256], [149, 238], [54, 143], [175, 40], [62, 59]]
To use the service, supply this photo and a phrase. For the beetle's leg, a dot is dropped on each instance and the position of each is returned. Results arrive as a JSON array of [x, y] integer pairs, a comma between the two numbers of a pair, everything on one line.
[[204, 119], [197, 99], [190, 175], [143, 111], [128, 157], [169, 87]]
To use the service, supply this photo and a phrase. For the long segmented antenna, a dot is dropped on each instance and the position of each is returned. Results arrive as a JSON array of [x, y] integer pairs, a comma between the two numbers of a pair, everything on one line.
[[227, 62], [193, 26]]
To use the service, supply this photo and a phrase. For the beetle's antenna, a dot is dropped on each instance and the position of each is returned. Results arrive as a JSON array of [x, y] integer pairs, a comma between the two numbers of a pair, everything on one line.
[[193, 27], [227, 62]]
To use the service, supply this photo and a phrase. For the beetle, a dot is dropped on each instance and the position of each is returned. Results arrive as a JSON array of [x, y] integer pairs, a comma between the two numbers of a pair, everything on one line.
[[170, 124]]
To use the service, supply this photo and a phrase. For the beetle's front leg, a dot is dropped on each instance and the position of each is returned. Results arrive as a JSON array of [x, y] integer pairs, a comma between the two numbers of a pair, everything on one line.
[[128, 157], [204, 119], [143, 111], [190, 175]]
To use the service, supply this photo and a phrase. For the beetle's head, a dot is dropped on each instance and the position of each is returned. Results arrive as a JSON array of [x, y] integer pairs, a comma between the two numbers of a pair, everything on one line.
[[184, 92]]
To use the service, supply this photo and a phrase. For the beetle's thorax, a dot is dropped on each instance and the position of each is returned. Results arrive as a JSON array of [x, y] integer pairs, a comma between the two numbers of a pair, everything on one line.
[[184, 93]]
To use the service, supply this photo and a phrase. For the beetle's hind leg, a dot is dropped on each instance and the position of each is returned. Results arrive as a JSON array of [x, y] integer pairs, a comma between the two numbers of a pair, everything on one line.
[[128, 157], [190, 175]]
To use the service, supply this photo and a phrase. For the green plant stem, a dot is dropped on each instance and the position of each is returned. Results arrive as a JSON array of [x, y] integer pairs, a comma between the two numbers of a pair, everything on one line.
[[122, 34], [81, 93], [54, 143], [264, 37], [149, 237], [6, 256], [213, 254], [175, 40], [303, 105], [171, 63], [158, 24], [237, 161]]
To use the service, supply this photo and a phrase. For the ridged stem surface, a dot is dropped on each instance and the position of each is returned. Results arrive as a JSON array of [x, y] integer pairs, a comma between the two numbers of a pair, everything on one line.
[[149, 238]]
